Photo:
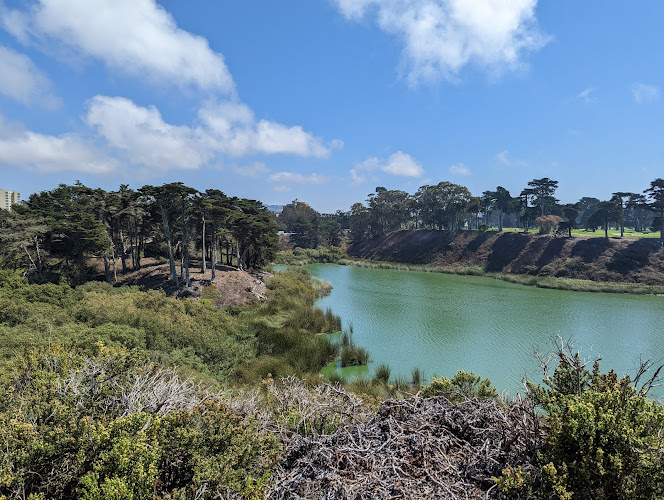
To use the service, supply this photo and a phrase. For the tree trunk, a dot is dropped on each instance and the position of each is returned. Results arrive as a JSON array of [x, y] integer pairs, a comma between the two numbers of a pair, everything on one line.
[[500, 221], [39, 261], [213, 258], [121, 248], [203, 255], [107, 268], [185, 248], [167, 233], [140, 246]]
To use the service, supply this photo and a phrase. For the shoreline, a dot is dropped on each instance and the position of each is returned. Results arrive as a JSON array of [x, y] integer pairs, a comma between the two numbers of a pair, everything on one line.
[[570, 284]]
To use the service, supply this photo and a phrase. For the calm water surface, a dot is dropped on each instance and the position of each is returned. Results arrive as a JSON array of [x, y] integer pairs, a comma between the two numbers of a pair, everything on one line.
[[443, 323]]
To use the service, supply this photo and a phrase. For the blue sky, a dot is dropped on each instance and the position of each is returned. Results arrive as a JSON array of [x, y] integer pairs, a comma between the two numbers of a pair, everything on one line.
[[324, 100]]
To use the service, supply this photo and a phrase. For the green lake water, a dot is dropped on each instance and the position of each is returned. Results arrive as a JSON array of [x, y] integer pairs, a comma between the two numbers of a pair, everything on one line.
[[443, 323]]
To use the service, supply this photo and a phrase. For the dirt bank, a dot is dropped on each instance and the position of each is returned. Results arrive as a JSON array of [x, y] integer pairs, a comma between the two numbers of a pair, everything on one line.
[[236, 287], [592, 258]]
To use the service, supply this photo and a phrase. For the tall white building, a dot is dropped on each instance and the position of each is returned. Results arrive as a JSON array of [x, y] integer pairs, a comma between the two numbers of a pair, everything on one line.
[[9, 198]]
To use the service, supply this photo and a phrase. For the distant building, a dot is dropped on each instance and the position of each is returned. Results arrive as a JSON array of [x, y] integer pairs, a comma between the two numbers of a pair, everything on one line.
[[9, 198], [297, 202]]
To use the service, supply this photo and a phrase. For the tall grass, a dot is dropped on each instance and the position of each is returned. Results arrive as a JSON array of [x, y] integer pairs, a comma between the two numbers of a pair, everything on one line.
[[382, 373], [304, 256]]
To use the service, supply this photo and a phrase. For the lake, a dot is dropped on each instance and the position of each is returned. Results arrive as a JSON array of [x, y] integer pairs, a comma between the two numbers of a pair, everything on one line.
[[443, 323]]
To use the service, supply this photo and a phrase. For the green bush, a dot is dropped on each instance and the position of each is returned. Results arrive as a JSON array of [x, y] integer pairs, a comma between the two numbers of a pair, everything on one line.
[[461, 387], [68, 431], [604, 437]]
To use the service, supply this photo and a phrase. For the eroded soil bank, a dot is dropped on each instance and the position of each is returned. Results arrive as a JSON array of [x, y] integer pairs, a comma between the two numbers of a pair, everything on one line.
[[591, 258]]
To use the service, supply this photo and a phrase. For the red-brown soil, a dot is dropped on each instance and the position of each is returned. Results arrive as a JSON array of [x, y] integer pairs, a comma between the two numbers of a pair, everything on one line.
[[236, 287], [598, 259]]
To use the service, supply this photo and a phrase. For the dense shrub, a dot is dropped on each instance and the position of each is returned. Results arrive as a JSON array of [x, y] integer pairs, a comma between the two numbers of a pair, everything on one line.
[[111, 426], [604, 437], [548, 223], [461, 387]]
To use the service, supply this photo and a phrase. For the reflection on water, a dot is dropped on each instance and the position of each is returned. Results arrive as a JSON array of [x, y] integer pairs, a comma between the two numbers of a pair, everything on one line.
[[444, 323]]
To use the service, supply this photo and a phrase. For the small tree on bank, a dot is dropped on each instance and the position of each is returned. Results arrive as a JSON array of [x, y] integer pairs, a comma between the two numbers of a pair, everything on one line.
[[548, 223], [656, 195]]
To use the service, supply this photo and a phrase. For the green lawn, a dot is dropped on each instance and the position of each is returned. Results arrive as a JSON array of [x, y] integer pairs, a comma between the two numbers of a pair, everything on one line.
[[629, 233]]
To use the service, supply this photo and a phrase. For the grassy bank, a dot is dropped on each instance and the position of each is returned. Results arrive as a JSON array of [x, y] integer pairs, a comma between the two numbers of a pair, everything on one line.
[[304, 256], [570, 284]]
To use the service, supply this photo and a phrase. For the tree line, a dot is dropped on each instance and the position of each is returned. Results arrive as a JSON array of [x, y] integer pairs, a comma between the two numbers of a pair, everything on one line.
[[57, 234], [451, 206]]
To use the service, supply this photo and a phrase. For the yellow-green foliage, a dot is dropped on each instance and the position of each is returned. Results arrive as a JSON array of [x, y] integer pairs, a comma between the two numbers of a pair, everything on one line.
[[68, 432], [129, 317], [604, 438], [303, 256], [464, 385], [286, 328], [187, 333]]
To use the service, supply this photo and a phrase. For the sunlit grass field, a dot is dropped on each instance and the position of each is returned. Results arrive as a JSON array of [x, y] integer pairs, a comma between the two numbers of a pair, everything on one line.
[[613, 233]]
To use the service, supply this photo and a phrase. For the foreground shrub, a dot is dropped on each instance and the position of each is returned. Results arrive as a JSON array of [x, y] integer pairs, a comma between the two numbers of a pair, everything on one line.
[[604, 436], [112, 426]]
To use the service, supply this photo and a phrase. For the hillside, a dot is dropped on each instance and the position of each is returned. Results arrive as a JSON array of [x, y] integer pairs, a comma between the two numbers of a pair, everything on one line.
[[236, 287], [592, 258]]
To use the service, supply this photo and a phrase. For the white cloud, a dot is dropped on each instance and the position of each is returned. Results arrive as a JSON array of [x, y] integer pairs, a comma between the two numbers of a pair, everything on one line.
[[138, 37], [586, 95], [255, 170], [460, 169], [399, 164], [440, 37], [359, 173], [236, 132], [403, 165], [290, 177], [356, 177], [22, 81], [145, 138], [504, 159], [645, 93], [281, 189], [41, 153]]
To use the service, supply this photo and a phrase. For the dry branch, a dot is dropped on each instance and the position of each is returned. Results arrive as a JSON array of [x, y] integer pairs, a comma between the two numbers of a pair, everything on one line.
[[416, 448]]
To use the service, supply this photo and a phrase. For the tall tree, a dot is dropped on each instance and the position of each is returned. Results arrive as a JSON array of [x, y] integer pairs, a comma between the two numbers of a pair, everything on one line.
[[359, 221], [171, 202], [502, 201], [389, 210], [587, 207], [571, 212], [219, 210], [637, 206], [544, 190], [607, 211], [76, 231], [526, 196], [619, 197], [21, 244], [655, 194]]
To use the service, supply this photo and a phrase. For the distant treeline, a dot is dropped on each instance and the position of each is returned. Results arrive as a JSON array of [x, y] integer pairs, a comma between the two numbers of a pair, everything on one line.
[[58, 234], [452, 206]]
